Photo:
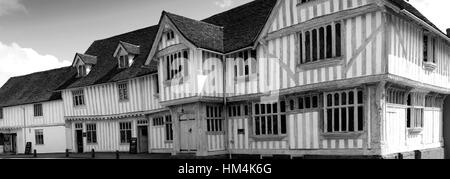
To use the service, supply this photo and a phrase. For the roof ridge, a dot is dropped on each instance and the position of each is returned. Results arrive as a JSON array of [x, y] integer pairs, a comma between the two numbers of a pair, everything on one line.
[[232, 9], [200, 21], [115, 36], [40, 72]]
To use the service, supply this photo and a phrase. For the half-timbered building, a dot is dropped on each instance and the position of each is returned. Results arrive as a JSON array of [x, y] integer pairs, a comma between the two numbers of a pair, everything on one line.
[[32, 111], [359, 78]]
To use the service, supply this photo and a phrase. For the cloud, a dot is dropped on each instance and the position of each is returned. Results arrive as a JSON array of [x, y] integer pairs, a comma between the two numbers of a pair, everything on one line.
[[16, 61], [9, 6], [224, 4]]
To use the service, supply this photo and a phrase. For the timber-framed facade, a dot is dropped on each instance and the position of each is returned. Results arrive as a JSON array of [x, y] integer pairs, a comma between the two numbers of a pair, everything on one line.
[[360, 78]]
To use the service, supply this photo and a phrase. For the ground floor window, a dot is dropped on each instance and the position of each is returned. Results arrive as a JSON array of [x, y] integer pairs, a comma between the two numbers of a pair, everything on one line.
[[343, 111], [91, 130], [169, 129], [125, 132], [214, 120], [415, 111], [39, 136], [270, 119]]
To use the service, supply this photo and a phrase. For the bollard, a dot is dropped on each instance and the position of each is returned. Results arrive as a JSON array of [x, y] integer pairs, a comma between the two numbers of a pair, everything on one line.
[[117, 154], [34, 153], [93, 153], [67, 153]]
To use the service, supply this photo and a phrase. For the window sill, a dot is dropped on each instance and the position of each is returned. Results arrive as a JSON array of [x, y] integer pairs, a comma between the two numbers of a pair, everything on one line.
[[124, 101], [429, 66], [80, 107], [91, 143], [176, 81], [168, 142], [269, 138], [415, 130], [350, 135], [329, 62]]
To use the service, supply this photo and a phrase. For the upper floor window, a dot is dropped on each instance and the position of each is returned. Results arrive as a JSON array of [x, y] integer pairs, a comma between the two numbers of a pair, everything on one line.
[[1, 113], [429, 48], [81, 70], [123, 61], [78, 98], [321, 43], [38, 110], [344, 111], [156, 83], [245, 63], [176, 63], [270, 119], [170, 35], [123, 91]]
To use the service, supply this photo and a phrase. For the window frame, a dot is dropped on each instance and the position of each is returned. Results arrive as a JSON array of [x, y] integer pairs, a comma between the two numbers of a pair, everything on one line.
[[91, 133], [215, 121], [168, 126], [359, 125], [180, 60], [39, 137], [257, 113], [305, 59], [78, 98], [38, 110], [123, 91], [128, 132], [124, 61], [1, 113], [415, 112]]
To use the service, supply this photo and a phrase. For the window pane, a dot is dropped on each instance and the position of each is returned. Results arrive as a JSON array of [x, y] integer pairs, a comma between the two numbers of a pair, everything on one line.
[[300, 103], [282, 106], [351, 97], [314, 45], [308, 102], [283, 124], [275, 124], [322, 43], [315, 101], [269, 108], [351, 119], [257, 126], [263, 109], [275, 108], [329, 100], [256, 109], [360, 97], [338, 40], [301, 47], [344, 119], [336, 120], [360, 118], [292, 105], [307, 47], [329, 120], [344, 98], [263, 125], [336, 99], [269, 125], [329, 42]]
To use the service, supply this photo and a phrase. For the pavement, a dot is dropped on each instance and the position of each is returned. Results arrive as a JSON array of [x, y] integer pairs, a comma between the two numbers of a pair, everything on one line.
[[87, 156]]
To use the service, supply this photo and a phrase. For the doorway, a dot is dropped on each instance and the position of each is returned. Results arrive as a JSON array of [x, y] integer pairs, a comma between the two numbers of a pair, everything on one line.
[[79, 140], [188, 137], [143, 139], [9, 143]]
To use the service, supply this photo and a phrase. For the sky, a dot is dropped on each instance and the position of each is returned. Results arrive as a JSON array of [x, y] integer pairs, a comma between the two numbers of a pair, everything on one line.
[[37, 35]]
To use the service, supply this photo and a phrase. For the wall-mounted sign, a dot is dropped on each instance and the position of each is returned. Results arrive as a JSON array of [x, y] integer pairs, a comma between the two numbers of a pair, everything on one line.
[[133, 146]]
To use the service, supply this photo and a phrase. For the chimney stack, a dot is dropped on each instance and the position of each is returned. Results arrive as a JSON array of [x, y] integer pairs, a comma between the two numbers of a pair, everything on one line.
[[448, 32]]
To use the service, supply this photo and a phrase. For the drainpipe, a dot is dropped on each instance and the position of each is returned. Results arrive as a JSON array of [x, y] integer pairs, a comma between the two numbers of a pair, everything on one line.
[[24, 128]]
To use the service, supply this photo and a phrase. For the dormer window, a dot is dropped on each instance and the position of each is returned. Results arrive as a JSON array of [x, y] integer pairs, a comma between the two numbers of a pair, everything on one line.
[[84, 63], [123, 61], [125, 54], [81, 71], [170, 35]]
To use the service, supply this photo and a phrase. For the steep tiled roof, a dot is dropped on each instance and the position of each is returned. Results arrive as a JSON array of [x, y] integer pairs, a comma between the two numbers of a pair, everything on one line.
[[243, 24], [88, 59], [200, 33], [106, 70], [36, 87]]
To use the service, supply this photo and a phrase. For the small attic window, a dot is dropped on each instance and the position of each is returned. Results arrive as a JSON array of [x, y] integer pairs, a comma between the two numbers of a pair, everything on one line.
[[170, 35], [123, 61], [82, 72]]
